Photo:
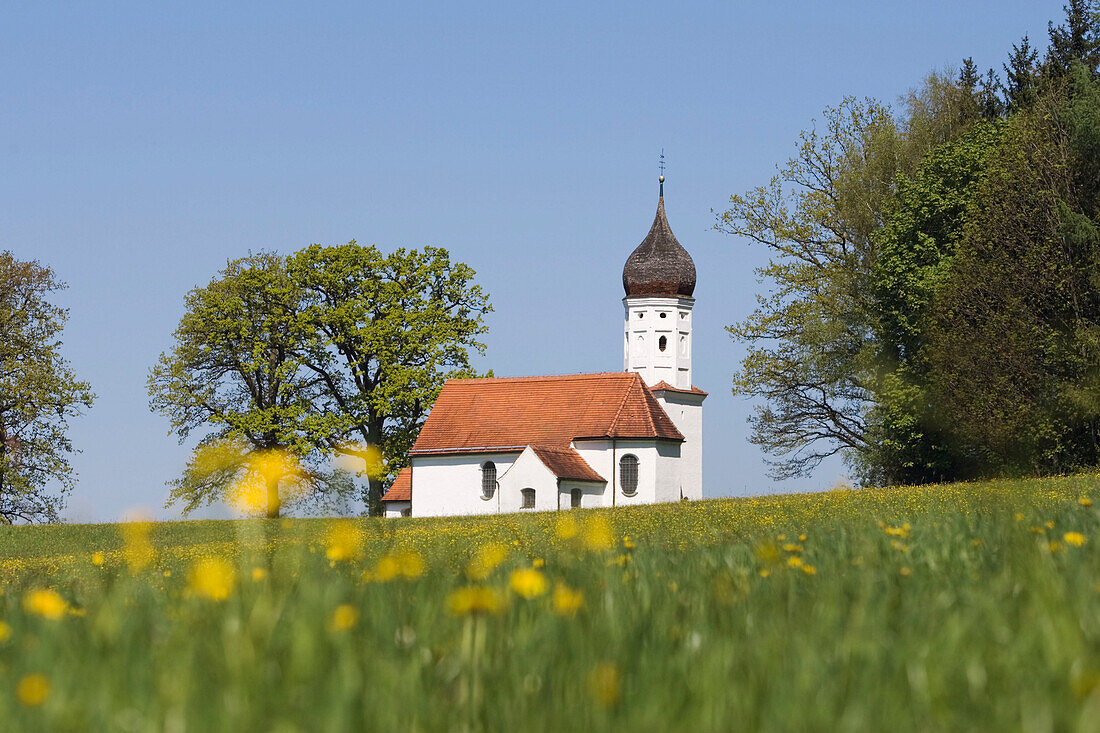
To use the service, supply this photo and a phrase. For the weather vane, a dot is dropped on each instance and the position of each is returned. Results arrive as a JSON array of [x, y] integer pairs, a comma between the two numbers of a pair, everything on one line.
[[661, 165]]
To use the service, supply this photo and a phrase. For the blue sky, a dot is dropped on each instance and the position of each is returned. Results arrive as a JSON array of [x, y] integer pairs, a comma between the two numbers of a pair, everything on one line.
[[144, 144]]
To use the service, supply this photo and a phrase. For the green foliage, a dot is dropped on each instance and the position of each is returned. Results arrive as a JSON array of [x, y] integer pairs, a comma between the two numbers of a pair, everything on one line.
[[334, 350], [38, 395], [957, 607], [388, 330]]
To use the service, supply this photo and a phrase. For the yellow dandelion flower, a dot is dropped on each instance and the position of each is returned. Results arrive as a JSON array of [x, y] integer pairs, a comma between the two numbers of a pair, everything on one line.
[[566, 527], [567, 601], [1074, 538], [5, 632], [32, 690], [765, 573], [1019, 516], [792, 548], [258, 574], [97, 558], [794, 562], [1050, 524], [139, 550], [628, 543], [809, 569], [344, 541], [1054, 546], [605, 684], [485, 560], [538, 562], [344, 617], [801, 538], [905, 572], [475, 599], [766, 551], [45, 603], [597, 534], [387, 568], [212, 578], [976, 542], [528, 582], [1085, 501]]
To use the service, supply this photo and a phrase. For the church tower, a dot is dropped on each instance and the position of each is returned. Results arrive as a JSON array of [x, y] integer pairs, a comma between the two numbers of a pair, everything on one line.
[[659, 280]]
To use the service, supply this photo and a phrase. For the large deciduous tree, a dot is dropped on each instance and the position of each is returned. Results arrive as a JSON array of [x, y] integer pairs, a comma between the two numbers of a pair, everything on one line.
[[331, 351], [389, 330], [236, 374], [38, 395]]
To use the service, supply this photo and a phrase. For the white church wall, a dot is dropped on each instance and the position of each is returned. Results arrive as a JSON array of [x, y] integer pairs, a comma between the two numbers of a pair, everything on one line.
[[397, 508], [668, 471], [592, 494], [686, 412], [648, 320], [451, 484], [528, 472], [604, 456]]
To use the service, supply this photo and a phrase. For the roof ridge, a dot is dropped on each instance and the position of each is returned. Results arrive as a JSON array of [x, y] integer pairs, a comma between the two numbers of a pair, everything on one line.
[[535, 378]]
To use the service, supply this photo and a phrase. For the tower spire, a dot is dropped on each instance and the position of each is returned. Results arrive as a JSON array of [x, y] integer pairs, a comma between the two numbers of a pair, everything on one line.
[[661, 178]]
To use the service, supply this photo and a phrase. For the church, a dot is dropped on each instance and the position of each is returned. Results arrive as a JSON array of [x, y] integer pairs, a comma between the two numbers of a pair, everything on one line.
[[576, 440]]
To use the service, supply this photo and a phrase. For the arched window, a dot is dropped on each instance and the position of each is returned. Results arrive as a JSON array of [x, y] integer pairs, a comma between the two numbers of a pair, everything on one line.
[[575, 498], [628, 473], [528, 499], [488, 479], [662, 343]]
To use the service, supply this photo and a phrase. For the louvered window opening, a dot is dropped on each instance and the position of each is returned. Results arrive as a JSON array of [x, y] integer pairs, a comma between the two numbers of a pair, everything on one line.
[[628, 473]]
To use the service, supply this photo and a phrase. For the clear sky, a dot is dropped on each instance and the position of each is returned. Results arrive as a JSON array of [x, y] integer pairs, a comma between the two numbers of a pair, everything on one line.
[[144, 144]]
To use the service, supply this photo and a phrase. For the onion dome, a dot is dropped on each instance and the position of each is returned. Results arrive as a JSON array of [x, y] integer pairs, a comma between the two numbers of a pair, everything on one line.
[[660, 266]]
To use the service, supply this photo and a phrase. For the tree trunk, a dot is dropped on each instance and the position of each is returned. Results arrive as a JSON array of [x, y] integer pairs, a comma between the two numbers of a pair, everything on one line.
[[374, 497], [274, 503]]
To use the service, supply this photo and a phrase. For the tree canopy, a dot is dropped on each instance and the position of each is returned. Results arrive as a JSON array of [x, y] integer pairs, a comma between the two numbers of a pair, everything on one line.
[[39, 394], [933, 309]]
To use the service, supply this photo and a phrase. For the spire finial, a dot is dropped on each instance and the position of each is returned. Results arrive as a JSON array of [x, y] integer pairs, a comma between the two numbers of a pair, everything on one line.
[[661, 178]]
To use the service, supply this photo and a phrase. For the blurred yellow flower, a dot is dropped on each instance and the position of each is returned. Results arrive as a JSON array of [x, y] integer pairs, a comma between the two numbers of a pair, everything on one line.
[[597, 534], [538, 562], [139, 550], [794, 561], [809, 569], [1074, 538], [902, 531], [5, 632], [905, 572], [32, 690], [792, 548], [485, 560], [344, 617], [258, 574], [567, 601], [212, 578], [344, 541], [628, 543], [475, 599], [566, 527], [528, 582], [766, 551], [97, 558], [45, 603], [1085, 501], [410, 565], [605, 684]]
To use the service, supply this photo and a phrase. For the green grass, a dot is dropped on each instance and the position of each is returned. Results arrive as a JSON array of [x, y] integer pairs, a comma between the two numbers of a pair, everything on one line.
[[969, 619]]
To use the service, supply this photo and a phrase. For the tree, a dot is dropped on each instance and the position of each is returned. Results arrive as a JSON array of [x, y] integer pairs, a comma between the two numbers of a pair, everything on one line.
[[1022, 77], [1075, 41], [389, 330], [38, 394], [236, 369]]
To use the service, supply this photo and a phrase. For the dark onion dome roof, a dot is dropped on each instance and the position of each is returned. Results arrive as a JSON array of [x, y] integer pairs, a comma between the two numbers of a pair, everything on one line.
[[659, 266]]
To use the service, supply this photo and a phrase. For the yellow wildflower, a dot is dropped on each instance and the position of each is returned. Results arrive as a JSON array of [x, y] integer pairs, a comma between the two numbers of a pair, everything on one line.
[[1085, 501], [258, 574], [528, 582], [1019, 516], [475, 599], [1074, 538], [213, 578], [628, 543], [485, 560], [139, 548], [765, 573], [344, 541], [387, 568], [538, 562], [1050, 524], [32, 690], [801, 538], [792, 548], [5, 632], [344, 617], [566, 527], [567, 601], [794, 561], [45, 603], [905, 572], [97, 558], [809, 569], [766, 551], [1054, 546], [605, 684], [597, 534]]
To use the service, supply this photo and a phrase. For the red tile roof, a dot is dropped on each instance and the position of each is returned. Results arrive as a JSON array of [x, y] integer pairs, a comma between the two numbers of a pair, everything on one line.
[[484, 415], [567, 463], [401, 488], [664, 386]]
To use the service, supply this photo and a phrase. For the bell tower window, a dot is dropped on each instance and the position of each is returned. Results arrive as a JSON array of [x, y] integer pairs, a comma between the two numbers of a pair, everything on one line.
[[662, 343]]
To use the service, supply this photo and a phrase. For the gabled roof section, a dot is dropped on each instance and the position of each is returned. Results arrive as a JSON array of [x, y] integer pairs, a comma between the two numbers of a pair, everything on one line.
[[566, 463], [664, 386], [504, 415], [401, 488]]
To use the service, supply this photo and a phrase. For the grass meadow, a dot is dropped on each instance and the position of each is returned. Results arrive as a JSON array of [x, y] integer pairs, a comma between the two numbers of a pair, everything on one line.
[[965, 606]]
